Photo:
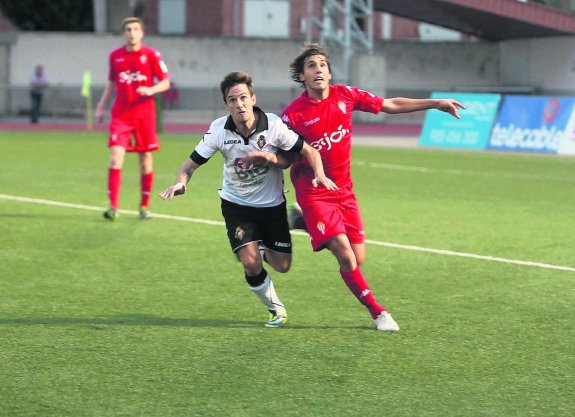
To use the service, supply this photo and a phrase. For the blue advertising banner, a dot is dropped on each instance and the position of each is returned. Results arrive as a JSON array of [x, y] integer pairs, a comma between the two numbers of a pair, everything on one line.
[[472, 131], [531, 124], [568, 145]]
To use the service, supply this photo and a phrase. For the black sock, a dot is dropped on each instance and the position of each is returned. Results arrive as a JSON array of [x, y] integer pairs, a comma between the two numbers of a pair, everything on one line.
[[258, 279]]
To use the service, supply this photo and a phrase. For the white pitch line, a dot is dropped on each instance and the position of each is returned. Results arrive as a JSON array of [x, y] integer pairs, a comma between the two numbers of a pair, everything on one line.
[[471, 255], [101, 209], [410, 168], [299, 233]]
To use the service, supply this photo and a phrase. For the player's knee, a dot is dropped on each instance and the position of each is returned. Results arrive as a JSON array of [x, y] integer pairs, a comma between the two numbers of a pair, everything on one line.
[[280, 262], [347, 264], [250, 259], [346, 258], [252, 268], [282, 267]]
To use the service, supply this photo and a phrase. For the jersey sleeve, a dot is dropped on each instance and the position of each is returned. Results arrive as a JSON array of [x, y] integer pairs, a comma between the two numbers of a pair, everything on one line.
[[365, 101], [285, 117], [209, 144], [160, 68], [283, 137]]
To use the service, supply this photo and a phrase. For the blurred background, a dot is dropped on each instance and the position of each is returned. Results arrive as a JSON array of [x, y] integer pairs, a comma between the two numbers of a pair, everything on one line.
[[405, 48]]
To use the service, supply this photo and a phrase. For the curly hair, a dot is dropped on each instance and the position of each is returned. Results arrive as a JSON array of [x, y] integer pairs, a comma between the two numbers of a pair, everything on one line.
[[308, 49], [235, 78]]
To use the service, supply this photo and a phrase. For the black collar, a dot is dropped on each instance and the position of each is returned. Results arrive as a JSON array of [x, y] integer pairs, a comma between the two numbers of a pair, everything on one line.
[[261, 125]]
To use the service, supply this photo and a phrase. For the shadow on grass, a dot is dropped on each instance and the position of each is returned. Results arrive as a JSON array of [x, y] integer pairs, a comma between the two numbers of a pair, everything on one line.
[[131, 320], [155, 321]]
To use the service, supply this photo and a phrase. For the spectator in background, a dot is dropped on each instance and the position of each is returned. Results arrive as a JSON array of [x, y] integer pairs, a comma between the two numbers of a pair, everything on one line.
[[137, 72], [38, 83]]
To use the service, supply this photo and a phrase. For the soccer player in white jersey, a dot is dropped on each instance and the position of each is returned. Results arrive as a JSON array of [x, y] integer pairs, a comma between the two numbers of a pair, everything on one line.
[[252, 199]]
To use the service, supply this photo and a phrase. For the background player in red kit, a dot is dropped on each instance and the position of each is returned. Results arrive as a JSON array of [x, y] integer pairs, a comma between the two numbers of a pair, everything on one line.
[[323, 116], [134, 69]]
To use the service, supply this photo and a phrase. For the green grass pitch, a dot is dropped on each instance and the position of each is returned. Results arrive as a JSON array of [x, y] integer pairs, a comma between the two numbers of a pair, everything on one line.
[[153, 318]]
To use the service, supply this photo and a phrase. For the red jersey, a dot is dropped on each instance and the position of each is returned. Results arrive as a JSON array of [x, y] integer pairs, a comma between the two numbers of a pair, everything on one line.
[[130, 70], [326, 125]]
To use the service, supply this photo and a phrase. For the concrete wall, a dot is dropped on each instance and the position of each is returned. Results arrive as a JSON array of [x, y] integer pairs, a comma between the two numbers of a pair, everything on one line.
[[7, 39], [548, 65], [193, 62], [197, 65]]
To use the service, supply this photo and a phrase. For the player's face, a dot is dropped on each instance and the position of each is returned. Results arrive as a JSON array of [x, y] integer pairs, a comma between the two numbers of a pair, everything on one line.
[[240, 103], [316, 75], [133, 34]]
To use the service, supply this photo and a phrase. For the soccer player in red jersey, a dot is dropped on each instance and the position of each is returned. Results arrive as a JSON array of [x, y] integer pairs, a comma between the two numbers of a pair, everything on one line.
[[137, 72], [323, 116]]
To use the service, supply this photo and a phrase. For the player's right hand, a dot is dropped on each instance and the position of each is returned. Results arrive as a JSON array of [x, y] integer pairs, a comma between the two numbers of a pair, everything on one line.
[[173, 190], [326, 182], [100, 115]]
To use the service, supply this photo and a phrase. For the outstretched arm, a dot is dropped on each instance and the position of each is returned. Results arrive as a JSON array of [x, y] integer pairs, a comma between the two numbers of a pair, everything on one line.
[[407, 105], [184, 175]]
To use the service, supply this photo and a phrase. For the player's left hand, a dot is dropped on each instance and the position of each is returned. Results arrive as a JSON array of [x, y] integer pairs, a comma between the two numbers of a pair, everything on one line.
[[173, 190], [145, 91], [325, 181], [450, 106]]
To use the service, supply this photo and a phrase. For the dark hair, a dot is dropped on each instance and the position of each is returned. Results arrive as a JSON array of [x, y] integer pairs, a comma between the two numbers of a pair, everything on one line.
[[132, 19], [308, 49], [235, 78]]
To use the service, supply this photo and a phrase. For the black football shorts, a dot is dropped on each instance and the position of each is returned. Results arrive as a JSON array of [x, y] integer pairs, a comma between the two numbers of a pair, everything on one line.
[[247, 224]]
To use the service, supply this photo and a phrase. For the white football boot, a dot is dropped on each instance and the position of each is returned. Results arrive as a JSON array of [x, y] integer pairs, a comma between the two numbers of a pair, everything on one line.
[[385, 322]]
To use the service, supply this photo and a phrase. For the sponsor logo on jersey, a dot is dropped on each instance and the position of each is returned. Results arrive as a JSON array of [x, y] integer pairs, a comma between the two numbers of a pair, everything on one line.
[[282, 244], [321, 227], [129, 77], [240, 233], [242, 163], [327, 140], [341, 106], [232, 141], [311, 122], [248, 173], [261, 141]]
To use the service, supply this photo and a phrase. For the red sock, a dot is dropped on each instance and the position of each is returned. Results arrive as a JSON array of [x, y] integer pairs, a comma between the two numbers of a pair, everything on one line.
[[114, 182], [357, 284], [146, 181]]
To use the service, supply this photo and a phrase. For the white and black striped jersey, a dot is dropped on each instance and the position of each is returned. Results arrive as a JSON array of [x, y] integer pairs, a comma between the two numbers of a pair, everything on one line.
[[244, 183]]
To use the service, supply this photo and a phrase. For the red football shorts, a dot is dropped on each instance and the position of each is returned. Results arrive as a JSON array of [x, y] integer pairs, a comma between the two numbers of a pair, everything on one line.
[[141, 130], [331, 215]]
